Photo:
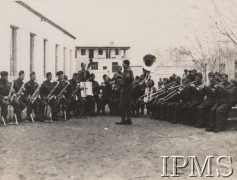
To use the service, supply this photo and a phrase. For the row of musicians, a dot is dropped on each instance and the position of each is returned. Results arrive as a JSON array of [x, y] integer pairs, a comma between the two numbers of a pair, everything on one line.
[[204, 105], [59, 95]]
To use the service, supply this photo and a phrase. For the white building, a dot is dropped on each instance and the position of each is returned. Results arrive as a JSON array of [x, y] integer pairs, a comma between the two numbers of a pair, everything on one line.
[[32, 42], [105, 58]]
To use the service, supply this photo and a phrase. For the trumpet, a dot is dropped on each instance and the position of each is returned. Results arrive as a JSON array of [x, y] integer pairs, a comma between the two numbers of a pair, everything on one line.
[[51, 95], [74, 93], [60, 95]]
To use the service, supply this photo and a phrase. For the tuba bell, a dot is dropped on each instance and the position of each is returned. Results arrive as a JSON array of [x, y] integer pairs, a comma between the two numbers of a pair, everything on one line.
[[149, 61]]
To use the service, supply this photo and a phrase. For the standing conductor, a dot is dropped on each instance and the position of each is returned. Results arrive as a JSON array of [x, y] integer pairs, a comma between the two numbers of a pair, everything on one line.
[[125, 102]]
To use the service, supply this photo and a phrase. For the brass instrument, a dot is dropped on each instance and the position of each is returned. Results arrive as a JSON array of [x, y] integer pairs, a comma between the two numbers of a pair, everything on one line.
[[60, 95], [158, 93], [219, 84], [51, 95], [9, 98], [170, 95], [201, 86], [35, 95], [20, 92]]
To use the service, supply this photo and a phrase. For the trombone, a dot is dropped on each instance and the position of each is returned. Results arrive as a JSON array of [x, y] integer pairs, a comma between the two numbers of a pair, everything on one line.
[[158, 93]]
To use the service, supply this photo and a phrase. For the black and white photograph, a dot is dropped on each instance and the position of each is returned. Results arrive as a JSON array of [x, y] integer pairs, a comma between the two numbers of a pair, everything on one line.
[[118, 89]]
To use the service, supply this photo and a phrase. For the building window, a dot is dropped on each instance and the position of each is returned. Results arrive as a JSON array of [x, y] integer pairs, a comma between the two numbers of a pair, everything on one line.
[[114, 66], [56, 57], [236, 75], [108, 53], [104, 67], [116, 52], [83, 52], [32, 46], [91, 53], [13, 60], [124, 53], [64, 60], [94, 66], [100, 51], [45, 56]]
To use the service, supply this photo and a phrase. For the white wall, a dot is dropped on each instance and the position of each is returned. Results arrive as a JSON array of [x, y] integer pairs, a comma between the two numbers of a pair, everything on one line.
[[12, 13]]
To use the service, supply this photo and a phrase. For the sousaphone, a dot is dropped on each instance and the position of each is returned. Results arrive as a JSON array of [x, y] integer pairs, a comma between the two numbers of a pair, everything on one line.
[[149, 61]]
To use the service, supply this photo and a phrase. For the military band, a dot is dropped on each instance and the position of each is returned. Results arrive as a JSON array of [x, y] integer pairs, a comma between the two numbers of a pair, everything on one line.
[[187, 100]]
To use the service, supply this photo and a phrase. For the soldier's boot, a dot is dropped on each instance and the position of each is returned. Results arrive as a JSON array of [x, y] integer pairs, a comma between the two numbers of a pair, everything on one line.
[[122, 122]]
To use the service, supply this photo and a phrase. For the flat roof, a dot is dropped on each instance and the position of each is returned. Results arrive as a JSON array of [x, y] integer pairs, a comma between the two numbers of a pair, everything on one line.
[[103, 47], [43, 18]]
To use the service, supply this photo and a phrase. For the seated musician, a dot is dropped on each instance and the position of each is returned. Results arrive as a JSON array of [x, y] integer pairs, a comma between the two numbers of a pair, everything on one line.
[[73, 90], [91, 100], [115, 94], [219, 112], [143, 79], [45, 90], [167, 103], [156, 104], [62, 98], [203, 110], [30, 88], [196, 100], [151, 90], [106, 92], [5, 94], [19, 102], [185, 98], [138, 91]]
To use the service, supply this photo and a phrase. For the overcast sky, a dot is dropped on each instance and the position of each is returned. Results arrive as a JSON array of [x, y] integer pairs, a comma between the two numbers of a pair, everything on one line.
[[148, 26]]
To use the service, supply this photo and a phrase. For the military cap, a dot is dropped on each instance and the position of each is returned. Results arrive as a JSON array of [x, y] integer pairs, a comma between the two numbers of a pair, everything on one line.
[[48, 74], [4, 73], [21, 72], [211, 74], [59, 73]]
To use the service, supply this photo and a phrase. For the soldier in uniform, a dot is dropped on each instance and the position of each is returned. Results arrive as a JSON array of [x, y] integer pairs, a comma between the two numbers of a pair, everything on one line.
[[219, 112], [91, 100], [106, 88], [61, 101], [185, 98], [143, 78], [115, 94], [202, 111], [83, 76], [151, 90], [74, 92], [18, 102], [126, 94], [118, 74], [5, 87], [45, 89], [30, 87], [196, 100]]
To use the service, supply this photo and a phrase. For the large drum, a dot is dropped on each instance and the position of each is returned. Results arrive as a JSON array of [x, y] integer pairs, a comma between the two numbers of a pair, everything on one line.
[[87, 89]]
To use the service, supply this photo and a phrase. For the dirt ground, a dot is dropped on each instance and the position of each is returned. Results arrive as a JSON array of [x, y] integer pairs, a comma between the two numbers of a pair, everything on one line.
[[96, 148]]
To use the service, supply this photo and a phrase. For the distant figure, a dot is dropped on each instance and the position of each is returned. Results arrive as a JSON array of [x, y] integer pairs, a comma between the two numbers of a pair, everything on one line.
[[160, 83]]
